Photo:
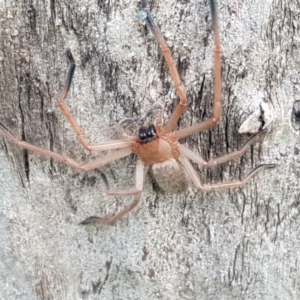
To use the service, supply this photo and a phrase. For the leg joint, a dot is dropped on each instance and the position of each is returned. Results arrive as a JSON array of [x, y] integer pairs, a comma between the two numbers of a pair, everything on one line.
[[83, 142], [215, 120]]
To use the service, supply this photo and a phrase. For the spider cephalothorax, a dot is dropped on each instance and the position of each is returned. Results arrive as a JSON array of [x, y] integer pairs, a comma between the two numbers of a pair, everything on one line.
[[155, 145], [147, 134], [160, 149]]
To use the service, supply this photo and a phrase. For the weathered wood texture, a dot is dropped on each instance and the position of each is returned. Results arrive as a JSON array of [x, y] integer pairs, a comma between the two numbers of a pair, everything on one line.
[[232, 244]]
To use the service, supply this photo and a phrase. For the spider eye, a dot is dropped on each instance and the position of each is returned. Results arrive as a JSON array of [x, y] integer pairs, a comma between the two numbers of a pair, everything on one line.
[[142, 134], [151, 132], [147, 134]]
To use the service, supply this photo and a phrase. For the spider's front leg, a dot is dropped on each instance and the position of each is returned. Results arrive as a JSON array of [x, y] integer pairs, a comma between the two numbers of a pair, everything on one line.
[[65, 159], [145, 15], [217, 106], [118, 144], [141, 171]]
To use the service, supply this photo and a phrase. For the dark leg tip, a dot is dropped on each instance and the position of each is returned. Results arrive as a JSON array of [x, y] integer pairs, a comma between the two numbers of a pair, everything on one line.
[[2, 125], [104, 178], [263, 131], [144, 4], [70, 56], [90, 220], [269, 166], [265, 166], [213, 8], [95, 220]]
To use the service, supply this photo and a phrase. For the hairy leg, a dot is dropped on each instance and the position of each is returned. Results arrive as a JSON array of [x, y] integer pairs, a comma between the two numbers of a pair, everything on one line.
[[219, 160], [65, 159], [235, 154], [215, 120], [141, 171], [145, 15], [194, 176], [81, 137]]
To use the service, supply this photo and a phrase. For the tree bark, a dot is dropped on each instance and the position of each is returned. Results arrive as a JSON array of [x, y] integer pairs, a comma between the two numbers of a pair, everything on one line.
[[231, 244]]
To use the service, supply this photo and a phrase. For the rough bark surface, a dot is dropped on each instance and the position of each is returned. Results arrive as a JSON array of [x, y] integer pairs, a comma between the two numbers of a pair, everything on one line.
[[232, 244]]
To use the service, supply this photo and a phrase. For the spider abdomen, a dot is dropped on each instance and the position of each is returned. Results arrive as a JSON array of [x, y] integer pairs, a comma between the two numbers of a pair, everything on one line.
[[171, 176]]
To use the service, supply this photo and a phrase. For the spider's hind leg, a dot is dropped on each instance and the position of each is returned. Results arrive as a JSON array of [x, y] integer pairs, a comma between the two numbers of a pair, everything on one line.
[[242, 182], [222, 159], [111, 220], [235, 154], [141, 171], [195, 179]]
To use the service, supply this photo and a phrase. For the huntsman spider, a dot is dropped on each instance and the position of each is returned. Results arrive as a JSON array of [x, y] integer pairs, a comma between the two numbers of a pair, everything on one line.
[[156, 145]]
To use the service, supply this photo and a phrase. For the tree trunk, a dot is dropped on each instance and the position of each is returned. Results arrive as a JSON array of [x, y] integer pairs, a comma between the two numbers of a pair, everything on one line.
[[239, 243]]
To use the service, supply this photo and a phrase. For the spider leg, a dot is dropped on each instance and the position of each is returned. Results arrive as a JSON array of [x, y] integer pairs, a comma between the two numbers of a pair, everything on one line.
[[193, 175], [156, 117], [145, 15], [215, 120], [65, 159], [219, 160], [157, 113], [127, 125], [141, 171], [235, 154], [118, 144], [192, 155]]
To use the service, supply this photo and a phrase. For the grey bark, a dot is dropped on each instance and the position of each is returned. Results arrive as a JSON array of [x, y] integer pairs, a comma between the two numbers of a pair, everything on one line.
[[231, 244]]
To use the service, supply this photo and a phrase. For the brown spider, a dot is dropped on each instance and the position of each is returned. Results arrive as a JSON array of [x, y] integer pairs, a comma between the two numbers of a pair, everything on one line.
[[155, 145]]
